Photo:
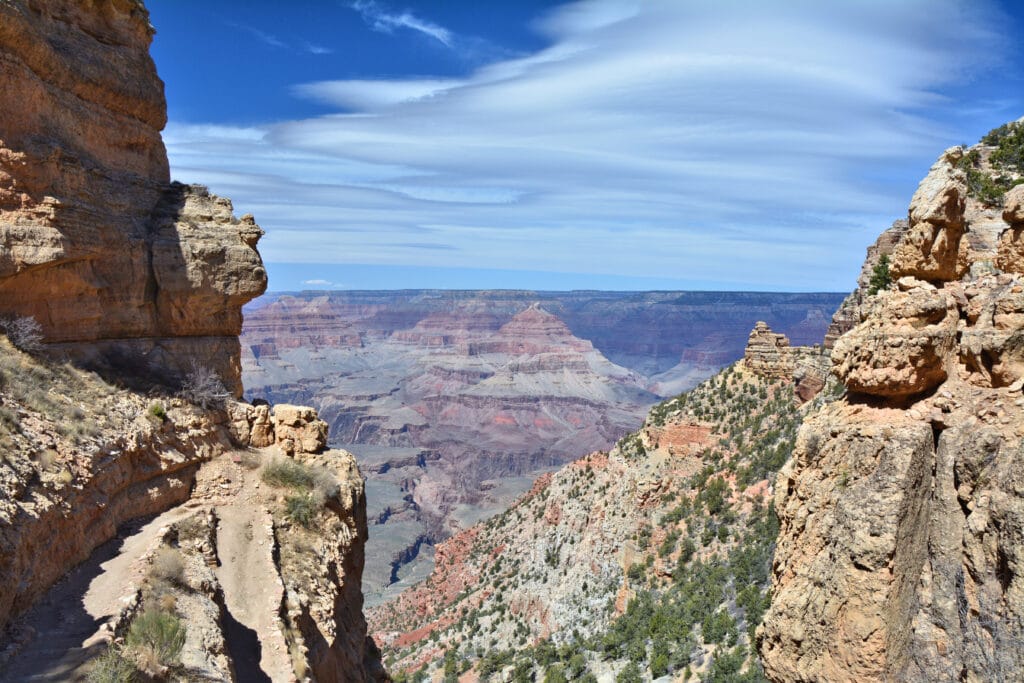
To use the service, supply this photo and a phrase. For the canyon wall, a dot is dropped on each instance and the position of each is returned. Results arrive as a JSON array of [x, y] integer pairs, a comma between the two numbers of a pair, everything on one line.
[[899, 556], [116, 263]]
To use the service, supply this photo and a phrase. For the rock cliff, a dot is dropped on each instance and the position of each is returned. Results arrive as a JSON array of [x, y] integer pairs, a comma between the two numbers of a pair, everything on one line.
[[899, 556], [257, 538], [115, 263]]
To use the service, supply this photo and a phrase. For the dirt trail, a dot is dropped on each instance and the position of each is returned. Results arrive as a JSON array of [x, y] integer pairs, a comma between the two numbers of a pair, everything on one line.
[[252, 593], [62, 626]]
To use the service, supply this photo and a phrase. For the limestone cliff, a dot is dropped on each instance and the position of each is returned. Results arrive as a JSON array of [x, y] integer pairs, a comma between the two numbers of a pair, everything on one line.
[[899, 556], [115, 262]]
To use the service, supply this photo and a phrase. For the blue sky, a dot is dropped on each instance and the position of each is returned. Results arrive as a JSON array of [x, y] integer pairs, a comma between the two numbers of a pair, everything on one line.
[[604, 144]]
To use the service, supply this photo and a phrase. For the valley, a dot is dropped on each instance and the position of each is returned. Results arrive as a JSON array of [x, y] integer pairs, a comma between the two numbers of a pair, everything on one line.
[[455, 401]]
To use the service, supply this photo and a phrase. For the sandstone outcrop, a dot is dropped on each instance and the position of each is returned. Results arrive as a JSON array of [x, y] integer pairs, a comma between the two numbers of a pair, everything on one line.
[[118, 265], [769, 355], [901, 509], [293, 429], [849, 313]]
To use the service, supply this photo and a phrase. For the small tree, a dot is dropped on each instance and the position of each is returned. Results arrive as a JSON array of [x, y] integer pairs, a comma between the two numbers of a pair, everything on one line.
[[204, 387], [880, 277], [25, 332]]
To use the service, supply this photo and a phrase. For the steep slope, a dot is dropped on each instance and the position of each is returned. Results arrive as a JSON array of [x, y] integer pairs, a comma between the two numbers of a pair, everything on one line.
[[454, 401], [652, 556], [116, 263], [901, 511]]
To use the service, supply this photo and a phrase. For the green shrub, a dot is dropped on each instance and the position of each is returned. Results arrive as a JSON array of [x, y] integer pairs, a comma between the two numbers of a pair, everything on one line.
[[112, 667], [158, 634], [157, 410], [287, 473], [301, 509]]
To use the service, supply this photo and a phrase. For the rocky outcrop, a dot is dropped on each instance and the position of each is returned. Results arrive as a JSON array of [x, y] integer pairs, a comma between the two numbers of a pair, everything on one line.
[[901, 510], [849, 314], [293, 429], [768, 354], [118, 265]]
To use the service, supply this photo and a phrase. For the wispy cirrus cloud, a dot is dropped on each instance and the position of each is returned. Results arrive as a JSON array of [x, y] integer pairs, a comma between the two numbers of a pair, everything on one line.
[[378, 17], [750, 145], [274, 41]]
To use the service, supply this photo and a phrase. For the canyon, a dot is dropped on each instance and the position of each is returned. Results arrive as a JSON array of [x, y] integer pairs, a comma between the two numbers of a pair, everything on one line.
[[507, 480], [454, 401]]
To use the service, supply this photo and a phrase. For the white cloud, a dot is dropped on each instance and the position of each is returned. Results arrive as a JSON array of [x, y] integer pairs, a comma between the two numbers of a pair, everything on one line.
[[325, 283], [743, 142], [314, 49], [382, 20], [363, 95]]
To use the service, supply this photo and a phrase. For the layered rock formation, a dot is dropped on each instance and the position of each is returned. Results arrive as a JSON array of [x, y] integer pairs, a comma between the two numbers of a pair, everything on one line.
[[455, 401], [116, 263], [769, 355], [901, 510]]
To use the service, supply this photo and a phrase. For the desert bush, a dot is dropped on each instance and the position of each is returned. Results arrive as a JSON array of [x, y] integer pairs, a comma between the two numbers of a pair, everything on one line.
[[168, 565], [25, 332], [204, 387], [288, 473], [112, 667], [158, 411], [301, 509], [157, 637]]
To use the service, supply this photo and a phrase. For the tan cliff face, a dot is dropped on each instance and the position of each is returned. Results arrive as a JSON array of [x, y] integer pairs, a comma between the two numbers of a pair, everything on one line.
[[899, 555], [96, 244]]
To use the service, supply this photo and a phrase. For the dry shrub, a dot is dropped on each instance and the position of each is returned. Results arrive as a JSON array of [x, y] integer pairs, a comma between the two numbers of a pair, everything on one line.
[[168, 566], [204, 387]]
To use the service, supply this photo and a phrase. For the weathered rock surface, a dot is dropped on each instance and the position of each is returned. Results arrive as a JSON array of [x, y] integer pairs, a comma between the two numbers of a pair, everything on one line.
[[768, 353], [901, 510], [849, 313], [109, 257]]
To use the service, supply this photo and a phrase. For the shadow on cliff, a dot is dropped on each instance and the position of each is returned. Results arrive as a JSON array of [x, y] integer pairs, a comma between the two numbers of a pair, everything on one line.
[[245, 650], [58, 623], [138, 363]]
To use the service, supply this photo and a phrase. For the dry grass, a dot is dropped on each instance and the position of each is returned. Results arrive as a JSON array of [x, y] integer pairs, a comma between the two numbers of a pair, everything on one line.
[[168, 566]]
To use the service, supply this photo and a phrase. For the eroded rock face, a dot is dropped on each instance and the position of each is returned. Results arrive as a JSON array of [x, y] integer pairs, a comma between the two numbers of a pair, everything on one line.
[[902, 347], [95, 243], [767, 353], [929, 249], [901, 510]]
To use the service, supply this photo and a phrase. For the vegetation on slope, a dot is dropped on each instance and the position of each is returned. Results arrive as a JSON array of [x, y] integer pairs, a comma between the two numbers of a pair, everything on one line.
[[997, 166], [688, 579]]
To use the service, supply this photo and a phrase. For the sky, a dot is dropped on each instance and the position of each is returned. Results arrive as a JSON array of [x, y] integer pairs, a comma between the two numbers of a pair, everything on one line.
[[602, 144]]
